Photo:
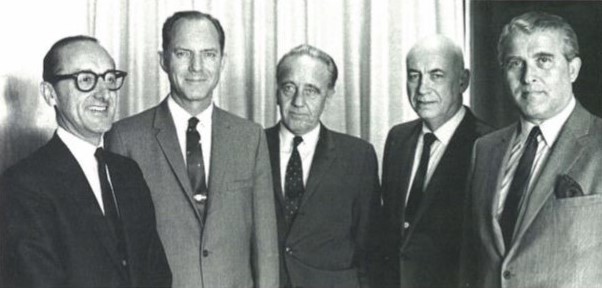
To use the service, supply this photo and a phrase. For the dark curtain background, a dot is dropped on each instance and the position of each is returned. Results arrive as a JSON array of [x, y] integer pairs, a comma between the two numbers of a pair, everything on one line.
[[490, 99]]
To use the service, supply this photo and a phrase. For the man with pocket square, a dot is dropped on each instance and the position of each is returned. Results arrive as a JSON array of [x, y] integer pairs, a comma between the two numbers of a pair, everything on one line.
[[534, 212], [208, 170]]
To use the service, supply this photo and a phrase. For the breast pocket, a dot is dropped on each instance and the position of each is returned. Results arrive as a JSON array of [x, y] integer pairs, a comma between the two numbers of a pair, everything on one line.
[[239, 185]]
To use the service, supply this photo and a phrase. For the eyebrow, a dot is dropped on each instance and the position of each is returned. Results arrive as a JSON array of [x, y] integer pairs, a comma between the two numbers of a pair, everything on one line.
[[539, 54]]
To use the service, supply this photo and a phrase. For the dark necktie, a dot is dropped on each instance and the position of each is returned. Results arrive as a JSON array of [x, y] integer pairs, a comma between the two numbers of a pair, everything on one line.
[[519, 185], [109, 202], [418, 185], [194, 161], [293, 181]]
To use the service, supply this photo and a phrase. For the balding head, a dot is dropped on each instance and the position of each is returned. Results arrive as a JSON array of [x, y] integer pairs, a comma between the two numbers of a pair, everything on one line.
[[439, 45], [436, 79]]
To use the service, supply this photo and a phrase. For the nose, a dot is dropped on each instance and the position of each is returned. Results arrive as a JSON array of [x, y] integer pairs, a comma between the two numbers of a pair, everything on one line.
[[529, 73], [298, 98], [424, 85], [102, 90], [196, 63]]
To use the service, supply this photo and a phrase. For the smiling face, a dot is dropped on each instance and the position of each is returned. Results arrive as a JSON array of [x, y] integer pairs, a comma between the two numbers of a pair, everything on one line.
[[193, 62], [538, 74], [87, 115], [302, 92], [436, 81]]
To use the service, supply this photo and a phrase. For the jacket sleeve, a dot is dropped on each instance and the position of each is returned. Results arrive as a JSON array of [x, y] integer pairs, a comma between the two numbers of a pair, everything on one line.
[[30, 248]]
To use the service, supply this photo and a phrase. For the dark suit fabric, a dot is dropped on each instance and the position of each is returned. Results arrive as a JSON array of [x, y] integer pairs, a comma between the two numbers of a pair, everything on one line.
[[328, 242], [557, 240], [426, 254], [235, 245], [55, 235]]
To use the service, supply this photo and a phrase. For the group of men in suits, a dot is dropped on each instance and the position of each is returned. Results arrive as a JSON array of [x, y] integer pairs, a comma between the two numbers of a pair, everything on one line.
[[213, 200]]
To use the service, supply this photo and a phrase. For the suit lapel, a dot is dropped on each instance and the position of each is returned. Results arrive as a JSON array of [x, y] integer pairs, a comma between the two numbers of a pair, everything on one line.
[[222, 140], [403, 149], [323, 158], [78, 187], [452, 155], [273, 140], [563, 155], [168, 140], [499, 154]]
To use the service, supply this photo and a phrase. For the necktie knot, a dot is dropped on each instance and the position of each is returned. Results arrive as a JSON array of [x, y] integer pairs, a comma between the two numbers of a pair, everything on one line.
[[535, 132], [192, 122], [429, 139], [100, 155], [297, 140]]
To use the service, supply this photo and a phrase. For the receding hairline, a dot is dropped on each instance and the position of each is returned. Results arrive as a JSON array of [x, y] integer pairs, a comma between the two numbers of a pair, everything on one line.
[[439, 44]]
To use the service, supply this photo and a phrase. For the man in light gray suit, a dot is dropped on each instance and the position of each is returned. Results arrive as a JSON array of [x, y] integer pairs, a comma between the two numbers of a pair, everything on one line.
[[534, 212], [208, 170]]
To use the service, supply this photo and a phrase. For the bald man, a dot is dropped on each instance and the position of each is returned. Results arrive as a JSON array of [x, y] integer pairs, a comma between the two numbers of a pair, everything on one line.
[[424, 169]]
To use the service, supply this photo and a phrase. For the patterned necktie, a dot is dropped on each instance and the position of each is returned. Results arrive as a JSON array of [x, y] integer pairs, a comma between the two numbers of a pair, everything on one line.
[[519, 185], [293, 182], [109, 203], [194, 161], [418, 185]]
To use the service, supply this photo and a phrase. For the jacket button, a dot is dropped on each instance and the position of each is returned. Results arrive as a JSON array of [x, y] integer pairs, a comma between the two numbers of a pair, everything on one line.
[[507, 275], [205, 253], [288, 250], [406, 225], [124, 263]]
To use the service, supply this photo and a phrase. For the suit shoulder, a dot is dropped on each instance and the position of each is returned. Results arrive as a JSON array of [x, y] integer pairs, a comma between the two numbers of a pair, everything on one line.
[[352, 142], [236, 120], [401, 132], [136, 121], [482, 128], [495, 136]]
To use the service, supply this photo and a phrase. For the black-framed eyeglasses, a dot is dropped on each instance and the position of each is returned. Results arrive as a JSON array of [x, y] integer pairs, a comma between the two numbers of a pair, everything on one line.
[[86, 80]]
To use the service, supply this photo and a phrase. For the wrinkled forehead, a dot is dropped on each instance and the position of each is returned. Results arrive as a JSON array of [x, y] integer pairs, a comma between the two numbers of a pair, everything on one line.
[[83, 55], [305, 65]]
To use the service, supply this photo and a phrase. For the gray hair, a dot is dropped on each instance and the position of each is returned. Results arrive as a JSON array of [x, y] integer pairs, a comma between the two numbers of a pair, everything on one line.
[[315, 53], [536, 21]]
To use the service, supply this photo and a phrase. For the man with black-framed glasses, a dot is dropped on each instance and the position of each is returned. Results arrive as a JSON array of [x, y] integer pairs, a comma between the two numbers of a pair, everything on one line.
[[72, 214]]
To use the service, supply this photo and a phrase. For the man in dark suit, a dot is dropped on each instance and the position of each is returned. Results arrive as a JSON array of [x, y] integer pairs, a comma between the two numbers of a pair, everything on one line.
[[534, 215], [72, 214], [208, 170], [325, 183], [425, 165]]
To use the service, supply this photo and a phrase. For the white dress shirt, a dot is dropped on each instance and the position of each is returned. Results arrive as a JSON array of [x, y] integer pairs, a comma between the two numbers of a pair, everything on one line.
[[306, 149], [84, 154], [443, 134], [180, 119], [550, 129]]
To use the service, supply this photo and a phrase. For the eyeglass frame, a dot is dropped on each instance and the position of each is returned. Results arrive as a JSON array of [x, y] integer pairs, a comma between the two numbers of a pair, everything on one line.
[[118, 74]]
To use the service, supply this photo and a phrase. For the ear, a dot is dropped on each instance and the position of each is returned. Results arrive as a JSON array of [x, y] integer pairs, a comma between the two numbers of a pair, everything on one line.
[[464, 80], [574, 67], [49, 94], [162, 60], [329, 93]]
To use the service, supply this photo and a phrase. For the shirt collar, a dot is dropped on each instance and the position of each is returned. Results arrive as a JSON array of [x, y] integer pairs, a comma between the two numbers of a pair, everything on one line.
[[180, 115], [310, 139], [78, 147], [550, 128], [445, 132]]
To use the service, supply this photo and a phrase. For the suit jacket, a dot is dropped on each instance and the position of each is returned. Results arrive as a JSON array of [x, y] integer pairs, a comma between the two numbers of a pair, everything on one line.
[[426, 254], [328, 241], [557, 242], [55, 235], [238, 247]]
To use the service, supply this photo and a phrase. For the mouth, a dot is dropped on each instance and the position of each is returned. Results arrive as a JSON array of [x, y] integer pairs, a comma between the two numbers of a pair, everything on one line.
[[99, 108]]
